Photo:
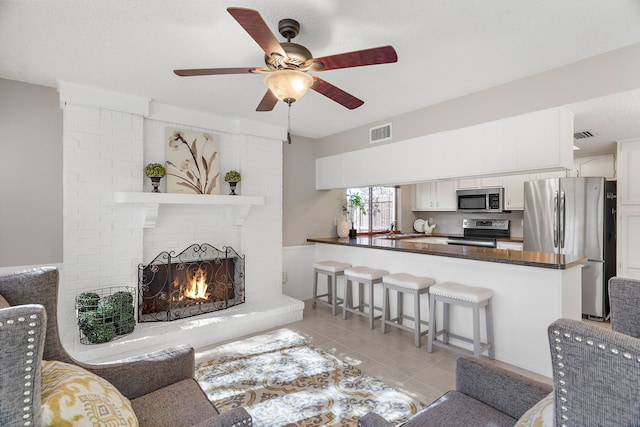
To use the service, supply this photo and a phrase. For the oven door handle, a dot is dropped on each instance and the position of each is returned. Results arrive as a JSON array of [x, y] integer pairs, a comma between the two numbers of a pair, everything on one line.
[[470, 242]]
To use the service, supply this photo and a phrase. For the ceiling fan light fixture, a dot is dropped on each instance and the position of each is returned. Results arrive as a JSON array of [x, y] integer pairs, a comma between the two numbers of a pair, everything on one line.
[[288, 85]]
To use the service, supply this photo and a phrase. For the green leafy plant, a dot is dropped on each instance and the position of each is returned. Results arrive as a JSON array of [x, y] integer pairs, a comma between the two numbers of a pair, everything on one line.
[[155, 169], [232, 176], [355, 202]]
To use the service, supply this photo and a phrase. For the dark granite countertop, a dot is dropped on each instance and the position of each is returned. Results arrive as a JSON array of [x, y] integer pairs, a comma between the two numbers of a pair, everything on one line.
[[505, 256]]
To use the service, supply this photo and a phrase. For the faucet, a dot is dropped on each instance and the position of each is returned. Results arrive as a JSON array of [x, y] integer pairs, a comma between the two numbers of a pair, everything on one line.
[[393, 226]]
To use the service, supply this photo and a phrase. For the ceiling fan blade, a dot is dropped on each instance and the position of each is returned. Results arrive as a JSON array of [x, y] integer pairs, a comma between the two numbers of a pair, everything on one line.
[[215, 71], [269, 101], [253, 24], [359, 58], [338, 95]]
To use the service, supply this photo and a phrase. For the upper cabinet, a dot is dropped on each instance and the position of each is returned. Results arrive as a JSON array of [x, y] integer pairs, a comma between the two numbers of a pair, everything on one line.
[[435, 196], [514, 191], [603, 165], [629, 173], [628, 192], [536, 142], [484, 182]]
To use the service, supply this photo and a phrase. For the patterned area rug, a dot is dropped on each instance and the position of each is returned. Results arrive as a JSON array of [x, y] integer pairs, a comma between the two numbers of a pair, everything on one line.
[[283, 381]]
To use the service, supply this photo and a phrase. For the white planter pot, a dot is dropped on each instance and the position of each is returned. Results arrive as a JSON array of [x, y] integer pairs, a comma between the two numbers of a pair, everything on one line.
[[343, 229]]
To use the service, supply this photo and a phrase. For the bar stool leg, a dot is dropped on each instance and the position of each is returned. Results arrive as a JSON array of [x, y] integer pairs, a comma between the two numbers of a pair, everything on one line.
[[385, 308], [476, 330], [488, 311], [432, 322], [315, 288], [445, 321], [371, 308], [360, 296], [416, 317], [331, 284], [348, 298], [399, 306]]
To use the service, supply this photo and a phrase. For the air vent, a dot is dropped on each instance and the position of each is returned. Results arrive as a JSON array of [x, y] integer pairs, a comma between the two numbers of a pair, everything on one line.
[[584, 134], [380, 133]]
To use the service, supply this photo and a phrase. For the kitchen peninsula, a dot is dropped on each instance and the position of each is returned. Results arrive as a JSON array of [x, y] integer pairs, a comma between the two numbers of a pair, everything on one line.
[[530, 289]]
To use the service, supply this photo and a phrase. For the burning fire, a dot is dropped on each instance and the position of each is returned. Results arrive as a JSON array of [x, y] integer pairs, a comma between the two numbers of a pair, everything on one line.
[[196, 288]]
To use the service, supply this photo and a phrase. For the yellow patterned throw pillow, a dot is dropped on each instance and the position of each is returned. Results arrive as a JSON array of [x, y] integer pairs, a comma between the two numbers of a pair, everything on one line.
[[3, 302], [541, 415], [72, 396]]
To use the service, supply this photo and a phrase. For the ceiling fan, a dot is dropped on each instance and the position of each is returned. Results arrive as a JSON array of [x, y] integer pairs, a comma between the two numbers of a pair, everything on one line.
[[287, 63]]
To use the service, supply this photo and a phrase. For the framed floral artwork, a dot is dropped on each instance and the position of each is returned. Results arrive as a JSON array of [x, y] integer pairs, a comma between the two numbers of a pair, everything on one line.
[[193, 165]]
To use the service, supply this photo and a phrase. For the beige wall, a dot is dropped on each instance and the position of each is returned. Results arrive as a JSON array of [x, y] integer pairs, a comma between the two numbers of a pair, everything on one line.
[[31, 175], [306, 211]]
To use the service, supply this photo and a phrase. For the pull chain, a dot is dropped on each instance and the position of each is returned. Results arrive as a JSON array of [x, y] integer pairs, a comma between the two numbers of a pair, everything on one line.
[[289, 123]]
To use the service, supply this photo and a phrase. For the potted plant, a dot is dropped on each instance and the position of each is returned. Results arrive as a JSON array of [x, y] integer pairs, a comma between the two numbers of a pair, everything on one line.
[[233, 177], [355, 204], [155, 171]]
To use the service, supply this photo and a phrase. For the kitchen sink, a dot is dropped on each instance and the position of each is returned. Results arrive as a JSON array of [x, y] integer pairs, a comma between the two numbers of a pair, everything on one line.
[[397, 236]]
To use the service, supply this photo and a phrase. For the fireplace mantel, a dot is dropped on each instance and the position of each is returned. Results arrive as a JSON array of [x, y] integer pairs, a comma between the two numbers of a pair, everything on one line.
[[152, 201]]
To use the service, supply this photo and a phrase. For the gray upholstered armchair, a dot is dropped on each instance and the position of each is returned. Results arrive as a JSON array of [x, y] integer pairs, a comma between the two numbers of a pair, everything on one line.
[[624, 297], [485, 395], [136, 378], [596, 375], [22, 331]]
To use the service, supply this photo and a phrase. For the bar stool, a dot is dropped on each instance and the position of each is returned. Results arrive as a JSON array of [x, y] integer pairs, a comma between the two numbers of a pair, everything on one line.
[[405, 283], [474, 297], [363, 276], [331, 269]]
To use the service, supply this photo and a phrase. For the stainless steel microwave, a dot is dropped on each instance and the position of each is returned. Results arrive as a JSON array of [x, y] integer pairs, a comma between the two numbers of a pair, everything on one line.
[[479, 200]]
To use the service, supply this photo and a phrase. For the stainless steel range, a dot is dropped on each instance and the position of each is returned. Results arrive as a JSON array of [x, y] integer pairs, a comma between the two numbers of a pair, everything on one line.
[[481, 232]]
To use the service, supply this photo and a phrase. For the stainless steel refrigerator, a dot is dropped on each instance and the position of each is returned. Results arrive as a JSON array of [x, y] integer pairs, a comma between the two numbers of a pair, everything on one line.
[[576, 216]]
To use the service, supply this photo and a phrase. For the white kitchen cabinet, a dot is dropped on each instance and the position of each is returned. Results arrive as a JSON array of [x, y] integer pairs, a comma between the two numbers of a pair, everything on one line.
[[547, 175], [603, 165], [435, 196], [469, 184], [514, 246], [486, 182], [537, 138], [629, 172], [541, 140], [492, 181], [628, 215], [514, 191], [628, 242], [423, 196]]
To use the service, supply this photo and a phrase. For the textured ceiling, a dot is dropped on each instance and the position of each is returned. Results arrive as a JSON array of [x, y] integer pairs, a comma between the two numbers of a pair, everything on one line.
[[446, 49]]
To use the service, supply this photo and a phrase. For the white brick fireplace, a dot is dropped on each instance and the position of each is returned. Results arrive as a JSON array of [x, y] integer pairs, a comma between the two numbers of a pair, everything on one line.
[[108, 138]]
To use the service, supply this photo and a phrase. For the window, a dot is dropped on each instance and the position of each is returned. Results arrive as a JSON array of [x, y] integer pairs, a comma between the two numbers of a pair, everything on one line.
[[380, 207]]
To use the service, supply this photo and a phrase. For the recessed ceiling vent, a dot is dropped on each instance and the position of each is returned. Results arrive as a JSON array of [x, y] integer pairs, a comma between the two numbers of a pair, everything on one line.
[[584, 134], [380, 133]]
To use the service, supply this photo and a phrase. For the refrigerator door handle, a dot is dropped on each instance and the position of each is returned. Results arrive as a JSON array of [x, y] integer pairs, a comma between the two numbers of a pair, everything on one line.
[[555, 219], [563, 217]]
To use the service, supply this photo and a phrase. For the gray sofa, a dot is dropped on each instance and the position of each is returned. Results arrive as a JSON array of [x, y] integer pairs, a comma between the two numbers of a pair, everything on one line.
[[153, 396]]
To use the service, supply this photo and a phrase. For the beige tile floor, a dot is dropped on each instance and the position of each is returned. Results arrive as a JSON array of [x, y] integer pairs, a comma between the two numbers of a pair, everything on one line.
[[391, 357]]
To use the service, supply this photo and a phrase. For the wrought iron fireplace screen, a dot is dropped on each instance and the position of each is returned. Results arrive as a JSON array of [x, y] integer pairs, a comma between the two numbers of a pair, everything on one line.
[[198, 280]]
